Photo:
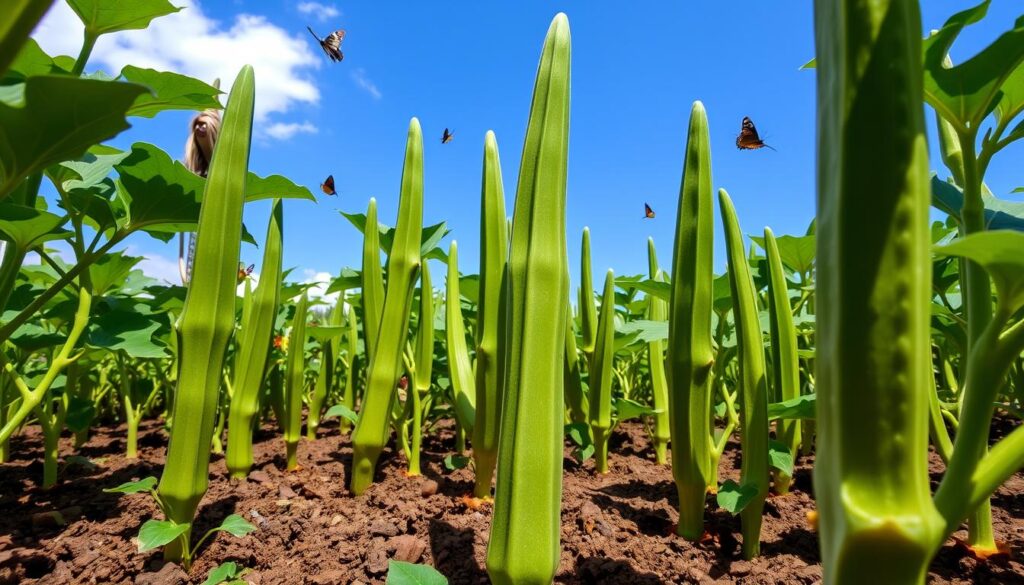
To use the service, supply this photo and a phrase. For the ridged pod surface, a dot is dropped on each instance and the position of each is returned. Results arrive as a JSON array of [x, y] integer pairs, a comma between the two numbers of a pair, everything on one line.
[[690, 355], [526, 525], [657, 310], [372, 426], [876, 519], [372, 302], [601, 375], [294, 384], [208, 317]]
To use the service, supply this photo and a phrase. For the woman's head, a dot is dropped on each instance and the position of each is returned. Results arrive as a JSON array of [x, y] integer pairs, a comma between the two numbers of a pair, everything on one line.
[[203, 132]]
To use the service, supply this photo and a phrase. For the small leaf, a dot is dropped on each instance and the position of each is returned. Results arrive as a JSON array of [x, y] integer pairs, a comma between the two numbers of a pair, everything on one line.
[[156, 533], [453, 462], [235, 525], [80, 414], [222, 573], [342, 411], [579, 433], [134, 487], [1001, 254], [630, 409], [780, 457], [733, 497], [801, 407], [402, 573]]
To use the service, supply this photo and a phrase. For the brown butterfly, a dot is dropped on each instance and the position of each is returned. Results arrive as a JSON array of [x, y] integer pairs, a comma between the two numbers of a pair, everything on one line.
[[244, 271], [648, 212], [331, 44], [328, 186], [447, 136], [748, 138]]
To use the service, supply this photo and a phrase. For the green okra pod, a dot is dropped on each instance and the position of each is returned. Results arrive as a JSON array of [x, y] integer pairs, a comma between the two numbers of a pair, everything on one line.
[[601, 375], [372, 302], [385, 367], [208, 318], [657, 310], [690, 354], [295, 382], [524, 539]]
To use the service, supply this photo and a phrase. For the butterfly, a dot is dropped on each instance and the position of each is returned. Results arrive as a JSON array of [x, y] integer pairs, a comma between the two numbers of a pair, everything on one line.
[[244, 271], [328, 186], [748, 138], [331, 44], [648, 212], [447, 136]]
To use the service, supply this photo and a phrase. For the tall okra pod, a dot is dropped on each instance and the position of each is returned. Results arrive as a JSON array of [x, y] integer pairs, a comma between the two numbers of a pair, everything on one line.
[[575, 398], [423, 362], [524, 540], [753, 380], [690, 355], [295, 381], [876, 519], [253, 349], [601, 375], [372, 427], [373, 280], [461, 369], [786, 361], [348, 397], [208, 317], [588, 308], [325, 374], [493, 255], [657, 310]]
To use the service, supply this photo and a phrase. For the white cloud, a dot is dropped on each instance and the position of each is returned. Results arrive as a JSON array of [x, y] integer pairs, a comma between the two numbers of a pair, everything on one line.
[[192, 43], [284, 131], [322, 280], [319, 11], [359, 76], [156, 266]]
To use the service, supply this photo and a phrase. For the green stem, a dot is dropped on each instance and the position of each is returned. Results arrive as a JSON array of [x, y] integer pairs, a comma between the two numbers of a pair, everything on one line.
[[83, 55]]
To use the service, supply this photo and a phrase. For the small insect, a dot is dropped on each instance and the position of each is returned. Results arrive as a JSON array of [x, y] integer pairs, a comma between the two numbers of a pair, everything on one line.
[[331, 44], [328, 186], [447, 136], [244, 271], [748, 138], [281, 343], [648, 212]]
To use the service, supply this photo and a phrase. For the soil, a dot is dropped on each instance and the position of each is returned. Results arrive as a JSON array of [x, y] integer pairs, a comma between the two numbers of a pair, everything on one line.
[[616, 528]]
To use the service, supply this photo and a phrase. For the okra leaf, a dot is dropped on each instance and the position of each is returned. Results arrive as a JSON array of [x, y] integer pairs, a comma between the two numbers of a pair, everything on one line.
[[1018, 190], [107, 16], [15, 27], [796, 252], [128, 331], [26, 226], [966, 93], [325, 332], [222, 573], [171, 91], [453, 462], [156, 533], [645, 330], [733, 497], [999, 253], [60, 118], [145, 484], [111, 271], [402, 573], [662, 290], [342, 411], [235, 525], [80, 414], [780, 457], [31, 59], [579, 434], [801, 407], [349, 279], [274, 187], [429, 240], [999, 214], [629, 409]]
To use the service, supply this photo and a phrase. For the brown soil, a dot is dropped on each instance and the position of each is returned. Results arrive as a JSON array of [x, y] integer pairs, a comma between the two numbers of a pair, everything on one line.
[[616, 528]]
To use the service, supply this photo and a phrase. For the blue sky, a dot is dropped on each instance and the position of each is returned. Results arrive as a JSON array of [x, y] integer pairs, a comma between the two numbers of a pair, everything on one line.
[[470, 66]]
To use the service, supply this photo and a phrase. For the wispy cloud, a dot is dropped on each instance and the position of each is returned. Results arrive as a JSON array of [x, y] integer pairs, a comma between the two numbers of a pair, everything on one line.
[[195, 44], [285, 130], [319, 11], [359, 76], [320, 280]]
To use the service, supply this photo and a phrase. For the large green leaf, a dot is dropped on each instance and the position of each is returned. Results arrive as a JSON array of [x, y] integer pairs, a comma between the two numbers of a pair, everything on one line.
[[27, 226], [274, 187], [61, 117], [646, 331], [17, 19], [171, 91], [733, 497], [156, 533], [1001, 254], [402, 573], [796, 252], [107, 16], [801, 407], [966, 93], [110, 271], [155, 190], [128, 331], [31, 60], [999, 214]]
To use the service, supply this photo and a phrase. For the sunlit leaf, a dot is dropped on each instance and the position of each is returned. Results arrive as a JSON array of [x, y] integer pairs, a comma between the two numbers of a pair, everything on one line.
[[801, 407], [402, 573], [236, 526], [733, 497], [780, 457], [1001, 254], [27, 226], [171, 91], [157, 533], [145, 484], [107, 16]]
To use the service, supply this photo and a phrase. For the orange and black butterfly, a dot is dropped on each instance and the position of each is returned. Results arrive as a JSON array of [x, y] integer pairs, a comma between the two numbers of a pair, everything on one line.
[[648, 212], [328, 186], [447, 136], [331, 44], [244, 271], [748, 138]]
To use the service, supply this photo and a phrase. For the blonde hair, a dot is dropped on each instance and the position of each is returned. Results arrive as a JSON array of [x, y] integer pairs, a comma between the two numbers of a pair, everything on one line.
[[199, 149]]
